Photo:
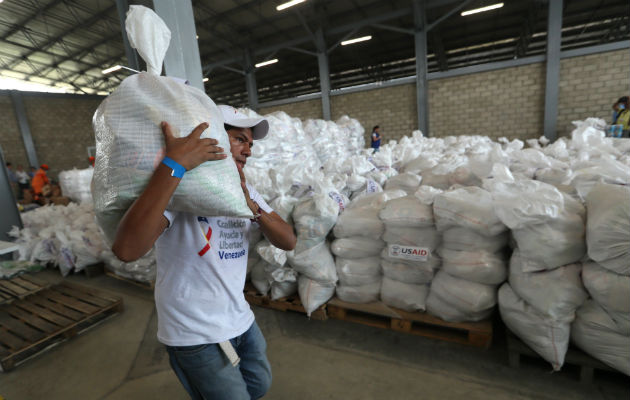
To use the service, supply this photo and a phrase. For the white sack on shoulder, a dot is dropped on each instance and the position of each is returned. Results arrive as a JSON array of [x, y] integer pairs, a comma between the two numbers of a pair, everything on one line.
[[406, 296], [358, 271], [546, 336]]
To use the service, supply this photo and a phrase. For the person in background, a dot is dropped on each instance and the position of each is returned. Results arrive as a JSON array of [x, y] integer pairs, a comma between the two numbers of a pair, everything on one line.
[[40, 184], [32, 171], [376, 138], [91, 160], [621, 113], [214, 344], [23, 181], [11, 173]]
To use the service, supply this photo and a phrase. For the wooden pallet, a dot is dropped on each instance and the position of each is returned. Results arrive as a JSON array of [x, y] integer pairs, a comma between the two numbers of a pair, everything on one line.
[[19, 287], [379, 315], [42, 320], [143, 284], [290, 303], [576, 357]]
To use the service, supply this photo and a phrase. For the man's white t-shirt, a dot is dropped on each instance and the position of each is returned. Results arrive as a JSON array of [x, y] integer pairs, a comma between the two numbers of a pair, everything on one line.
[[201, 269]]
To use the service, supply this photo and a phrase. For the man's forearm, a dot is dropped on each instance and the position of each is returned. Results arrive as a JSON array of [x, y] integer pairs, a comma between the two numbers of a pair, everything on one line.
[[278, 232]]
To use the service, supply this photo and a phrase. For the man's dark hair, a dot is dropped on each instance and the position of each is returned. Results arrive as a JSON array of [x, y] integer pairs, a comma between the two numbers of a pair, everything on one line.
[[623, 99], [227, 127], [8, 164], [375, 128]]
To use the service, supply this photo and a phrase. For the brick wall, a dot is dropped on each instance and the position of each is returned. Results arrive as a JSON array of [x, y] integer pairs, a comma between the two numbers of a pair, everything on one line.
[[307, 109], [61, 128], [589, 86]]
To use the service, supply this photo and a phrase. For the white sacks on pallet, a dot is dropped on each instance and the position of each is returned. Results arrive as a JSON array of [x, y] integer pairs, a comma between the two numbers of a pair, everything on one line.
[[358, 271], [408, 182], [467, 207], [361, 221], [404, 295], [357, 247], [595, 332], [608, 227], [611, 291], [316, 263], [407, 212], [409, 271], [476, 266], [284, 283], [360, 294], [558, 241], [130, 143], [546, 336], [461, 239], [470, 298], [313, 294], [556, 293]]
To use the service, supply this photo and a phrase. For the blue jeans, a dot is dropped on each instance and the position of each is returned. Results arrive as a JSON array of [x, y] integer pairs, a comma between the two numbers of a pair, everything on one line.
[[206, 373]]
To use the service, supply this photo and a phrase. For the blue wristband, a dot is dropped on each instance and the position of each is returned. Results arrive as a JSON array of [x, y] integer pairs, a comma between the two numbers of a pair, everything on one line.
[[178, 170]]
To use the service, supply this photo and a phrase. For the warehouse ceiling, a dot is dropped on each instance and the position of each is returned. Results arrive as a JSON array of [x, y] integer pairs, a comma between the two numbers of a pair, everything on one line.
[[67, 43]]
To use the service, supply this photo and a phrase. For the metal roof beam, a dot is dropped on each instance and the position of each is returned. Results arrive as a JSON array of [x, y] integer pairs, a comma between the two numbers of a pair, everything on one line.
[[448, 14], [22, 24]]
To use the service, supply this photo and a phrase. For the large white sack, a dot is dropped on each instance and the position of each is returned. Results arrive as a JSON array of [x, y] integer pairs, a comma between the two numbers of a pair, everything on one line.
[[441, 309], [271, 254], [559, 241], [317, 263], [608, 227], [284, 283], [376, 200], [458, 238], [406, 296], [358, 271], [477, 266], [556, 293], [76, 183], [359, 222], [416, 274], [407, 181], [467, 207], [468, 297], [314, 217], [313, 294], [428, 238], [595, 332], [357, 247], [130, 143], [407, 211], [611, 291], [283, 205], [546, 336], [260, 277], [359, 294]]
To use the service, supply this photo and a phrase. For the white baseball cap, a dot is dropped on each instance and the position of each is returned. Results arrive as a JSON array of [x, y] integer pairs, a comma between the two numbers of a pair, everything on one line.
[[232, 116]]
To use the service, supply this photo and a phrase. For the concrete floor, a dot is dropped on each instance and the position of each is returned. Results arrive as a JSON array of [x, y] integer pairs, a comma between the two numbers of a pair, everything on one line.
[[121, 359]]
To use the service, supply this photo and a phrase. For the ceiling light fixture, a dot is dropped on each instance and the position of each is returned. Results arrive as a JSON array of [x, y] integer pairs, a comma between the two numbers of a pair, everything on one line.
[[482, 9], [206, 79], [289, 4], [357, 40], [111, 69], [262, 64]]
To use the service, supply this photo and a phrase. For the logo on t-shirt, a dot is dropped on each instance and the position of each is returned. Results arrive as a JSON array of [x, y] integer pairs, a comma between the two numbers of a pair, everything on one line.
[[207, 235]]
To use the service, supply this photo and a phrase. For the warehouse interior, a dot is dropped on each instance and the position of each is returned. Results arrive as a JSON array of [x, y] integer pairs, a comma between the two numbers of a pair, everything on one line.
[[478, 246]]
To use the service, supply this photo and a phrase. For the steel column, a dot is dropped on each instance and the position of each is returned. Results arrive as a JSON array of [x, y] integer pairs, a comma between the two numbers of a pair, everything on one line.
[[324, 72], [552, 80], [25, 129], [10, 215], [420, 41], [250, 81], [182, 57], [132, 55]]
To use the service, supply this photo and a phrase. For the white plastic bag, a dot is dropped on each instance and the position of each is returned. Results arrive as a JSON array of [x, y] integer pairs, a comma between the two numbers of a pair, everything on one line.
[[360, 294], [594, 332], [608, 227], [467, 207], [406, 296], [611, 291], [317, 263], [476, 266], [556, 293], [357, 247], [546, 336], [313, 293], [130, 143], [358, 271]]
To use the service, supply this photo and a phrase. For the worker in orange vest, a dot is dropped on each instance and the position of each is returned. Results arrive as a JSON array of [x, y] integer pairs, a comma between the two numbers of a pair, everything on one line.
[[39, 182]]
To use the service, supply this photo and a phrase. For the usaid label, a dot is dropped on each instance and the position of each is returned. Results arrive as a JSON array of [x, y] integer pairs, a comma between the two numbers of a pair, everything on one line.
[[409, 252], [371, 186], [339, 199]]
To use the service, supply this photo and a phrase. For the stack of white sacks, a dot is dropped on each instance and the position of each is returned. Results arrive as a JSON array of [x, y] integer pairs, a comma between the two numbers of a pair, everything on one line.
[[602, 325], [75, 184], [473, 264]]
